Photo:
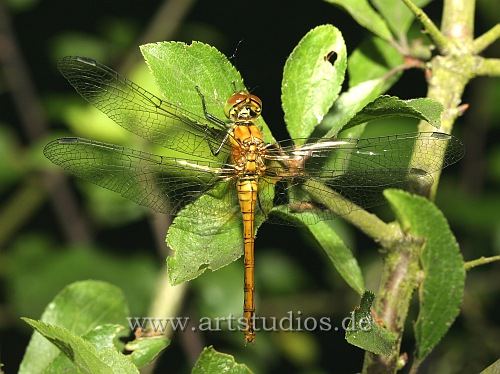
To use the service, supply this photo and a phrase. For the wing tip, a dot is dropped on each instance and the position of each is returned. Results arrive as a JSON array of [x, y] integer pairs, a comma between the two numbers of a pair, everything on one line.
[[69, 63], [47, 150]]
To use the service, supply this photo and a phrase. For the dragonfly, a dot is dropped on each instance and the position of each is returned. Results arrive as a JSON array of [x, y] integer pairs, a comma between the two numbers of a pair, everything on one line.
[[207, 153]]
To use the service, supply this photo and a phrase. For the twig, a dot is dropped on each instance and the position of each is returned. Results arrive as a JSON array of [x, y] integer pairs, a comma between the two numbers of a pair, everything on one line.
[[484, 41], [488, 67], [437, 37], [458, 22], [398, 281], [369, 223], [480, 261], [33, 121]]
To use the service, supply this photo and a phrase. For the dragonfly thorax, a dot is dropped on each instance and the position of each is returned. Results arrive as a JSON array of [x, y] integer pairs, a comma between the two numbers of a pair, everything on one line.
[[248, 149]]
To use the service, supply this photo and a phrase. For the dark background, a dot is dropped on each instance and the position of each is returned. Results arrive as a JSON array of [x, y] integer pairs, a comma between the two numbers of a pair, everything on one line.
[[37, 259]]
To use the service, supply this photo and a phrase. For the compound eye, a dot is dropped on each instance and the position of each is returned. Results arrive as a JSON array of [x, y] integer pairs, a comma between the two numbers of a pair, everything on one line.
[[255, 105], [241, 102], [233, 102], [256, 101]]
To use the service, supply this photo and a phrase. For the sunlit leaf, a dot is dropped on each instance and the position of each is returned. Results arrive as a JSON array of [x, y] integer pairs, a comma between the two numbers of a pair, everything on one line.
[[146, 349], [178, 68], [312, 79], [211, 361], [207, 238], [82, 353], [390, 106], [102, 303], [102, 337]]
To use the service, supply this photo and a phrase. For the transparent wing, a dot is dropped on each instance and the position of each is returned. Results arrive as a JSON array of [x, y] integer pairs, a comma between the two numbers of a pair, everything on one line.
[[357, 169], [320, 157], [164, 184], [141, 112]]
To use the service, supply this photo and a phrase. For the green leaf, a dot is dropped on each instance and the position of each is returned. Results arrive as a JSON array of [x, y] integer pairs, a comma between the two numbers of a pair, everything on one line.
[[79, 307], [390, 106], [441, 291], [211, 361], [107, 336], [82, 353], [102, 337], [494, 368], [374, 58], [365, 15], [144, 350], [311, 80], [365, 333], [208, 234], [398, 16], [349, 104], [341, 256], [178, 68], [214, 241], [33, 258]]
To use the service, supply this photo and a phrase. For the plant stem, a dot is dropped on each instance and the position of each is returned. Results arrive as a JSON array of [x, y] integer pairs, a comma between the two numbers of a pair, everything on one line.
[[480, 261], [485, 40], [437, 37], [449, 74], [488, 67], [383, 233], [458, 21], [399, 279]]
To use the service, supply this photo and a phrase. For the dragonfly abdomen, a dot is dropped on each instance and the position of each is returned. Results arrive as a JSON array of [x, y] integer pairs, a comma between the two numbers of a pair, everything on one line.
[[247, 195]]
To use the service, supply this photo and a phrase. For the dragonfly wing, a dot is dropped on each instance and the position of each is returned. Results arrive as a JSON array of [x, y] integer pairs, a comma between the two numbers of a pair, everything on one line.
[[352, 173], [140, 111], [337, 155], [310, 195], [164, 184]]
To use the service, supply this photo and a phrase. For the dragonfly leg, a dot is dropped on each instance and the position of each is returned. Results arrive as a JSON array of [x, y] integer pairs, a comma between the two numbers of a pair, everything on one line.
[[216, 152], [209, 116], [214, 120]]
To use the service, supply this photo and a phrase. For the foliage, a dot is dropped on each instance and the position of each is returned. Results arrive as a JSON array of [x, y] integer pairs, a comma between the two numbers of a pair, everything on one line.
[[84, 327], [83, 323]]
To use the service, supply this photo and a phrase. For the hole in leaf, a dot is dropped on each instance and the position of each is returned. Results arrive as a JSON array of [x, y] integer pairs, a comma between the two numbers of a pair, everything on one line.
[[203, 267], [331, 57]]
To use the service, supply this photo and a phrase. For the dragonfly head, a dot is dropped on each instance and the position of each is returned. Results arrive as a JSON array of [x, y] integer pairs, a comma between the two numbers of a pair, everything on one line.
[[243, 106]]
